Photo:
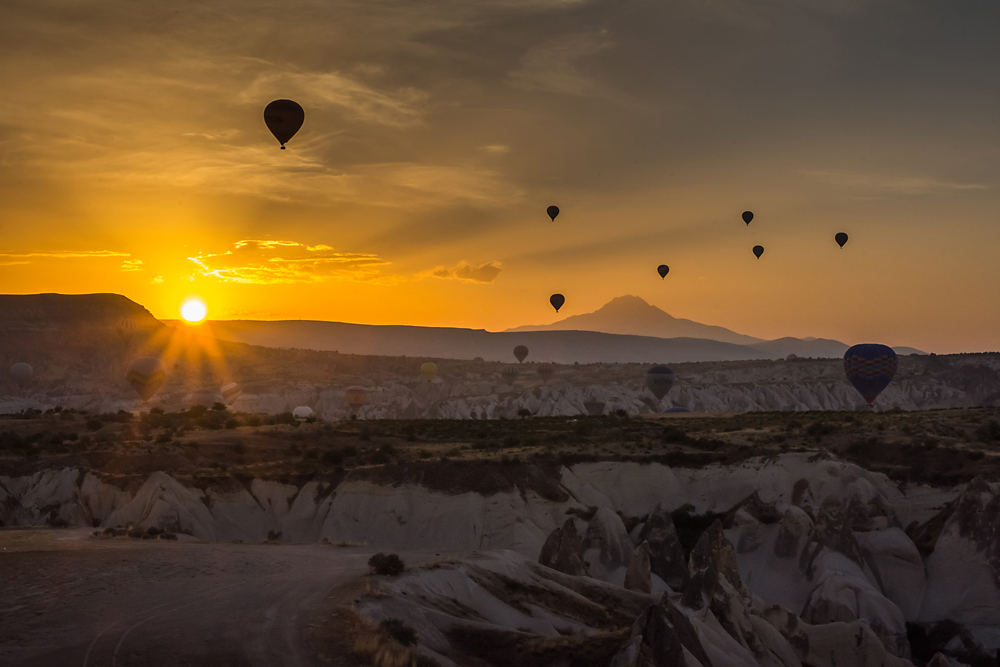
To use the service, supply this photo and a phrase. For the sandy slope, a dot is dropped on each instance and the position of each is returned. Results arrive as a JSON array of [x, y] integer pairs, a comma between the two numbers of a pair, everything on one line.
[[71, 600]]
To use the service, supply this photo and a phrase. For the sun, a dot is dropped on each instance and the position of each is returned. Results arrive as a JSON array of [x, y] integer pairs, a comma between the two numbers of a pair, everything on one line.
[[193, 310]]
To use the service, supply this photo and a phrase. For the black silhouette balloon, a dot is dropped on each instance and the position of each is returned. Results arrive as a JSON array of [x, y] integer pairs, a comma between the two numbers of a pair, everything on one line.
[[557, 301], [758, 250], [870, 367], [509, 374], [521, 352], [546, 372], [659, 379], [553, 211], [146, 375], [663, 270], [747, 216], [283, 118], [841, 239]]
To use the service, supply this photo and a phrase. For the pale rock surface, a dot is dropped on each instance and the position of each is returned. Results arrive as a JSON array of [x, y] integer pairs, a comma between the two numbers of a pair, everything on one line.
[[562, 550], [607, 548], [638, 576], [666, 555]]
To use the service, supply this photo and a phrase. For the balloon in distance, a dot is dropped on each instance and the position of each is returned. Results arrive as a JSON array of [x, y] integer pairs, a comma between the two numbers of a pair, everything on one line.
[[146, 375], [546, 372], [747, 216], [356, 397], [126, 329], [22, 373], [758, 250], [553, 211], [302, 413], [663, 270], [429, 371], [283, 118], [840, 238], [230, 392], [659, 379], [557, 301], [509, 374], [870, 367], [521, 353]]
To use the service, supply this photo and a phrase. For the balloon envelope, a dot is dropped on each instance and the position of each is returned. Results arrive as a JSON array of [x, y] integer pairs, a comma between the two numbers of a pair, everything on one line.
[[146, 375], [429, 371], [841, 239], [758, 250], [126, 329], [356, 397], [747, 216], [663, 270], [21, 373], [557, 301], [659, 379], [521, 352], [302, 413], [870, 368], [547, 372], [553, 211], [283, 118], [509, 374], [230, 392]]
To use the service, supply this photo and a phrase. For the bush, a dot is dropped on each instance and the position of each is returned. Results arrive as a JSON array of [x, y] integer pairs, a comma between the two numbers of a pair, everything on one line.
[[988, 431], [399, 631], [524, 412], [94, 424], [333, 457], [219, 407], [386, 564], [253, 420]]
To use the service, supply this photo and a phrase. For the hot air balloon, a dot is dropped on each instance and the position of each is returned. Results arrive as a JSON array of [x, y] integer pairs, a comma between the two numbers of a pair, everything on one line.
[[203, 397], [870, 368], [521, 352], [557, 301], [663, 270], [230, 392], [509, 374], [840, 238], [429, 370], [747, 216], [659, 379], [356, 397], [126, 329], [283, 118], [21, 373], [758, 250], [302, 413], [546, 372], [675, 409], [553, 211], [146, 375], [594, 408]]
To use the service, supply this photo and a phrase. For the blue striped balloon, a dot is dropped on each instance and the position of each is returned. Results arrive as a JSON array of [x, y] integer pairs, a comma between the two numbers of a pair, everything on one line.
[[870, 368]]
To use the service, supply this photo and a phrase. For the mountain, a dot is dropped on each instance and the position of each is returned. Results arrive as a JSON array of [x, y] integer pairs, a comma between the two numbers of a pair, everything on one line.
[[631, 315], [70, 312]]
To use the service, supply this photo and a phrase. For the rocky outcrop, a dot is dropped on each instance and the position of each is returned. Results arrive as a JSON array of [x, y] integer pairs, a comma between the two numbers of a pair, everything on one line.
[[607, 548], [638, 576], [666, 556], [562, 550], [662, 637]]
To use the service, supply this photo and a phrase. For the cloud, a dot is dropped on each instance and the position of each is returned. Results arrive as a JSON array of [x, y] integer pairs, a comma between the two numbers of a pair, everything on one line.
[[484, 273], [67, 254], [554, 67], [265, 262], [496, 148], [132, 265], [887, 183]]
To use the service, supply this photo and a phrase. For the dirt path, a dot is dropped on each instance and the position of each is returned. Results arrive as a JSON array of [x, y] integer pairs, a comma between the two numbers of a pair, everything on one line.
[[68, 599]]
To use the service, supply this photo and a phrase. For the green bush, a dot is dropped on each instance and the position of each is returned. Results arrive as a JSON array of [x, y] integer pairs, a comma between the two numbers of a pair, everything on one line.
[[386, 564]]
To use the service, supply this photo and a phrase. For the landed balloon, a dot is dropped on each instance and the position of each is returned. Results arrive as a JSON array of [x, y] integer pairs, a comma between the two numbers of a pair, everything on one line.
[[521, 352], [659, 379], [302, 413], [546, 372], [758, 250], [747, 216], [840, 238], [594, 408], [126, 329], [557, 301], [21, 373], [230, 392], [676, 409], [356, 398], [429, 371], [283, 118], [509, 374], [146, 375], [870, 368], [553, 211], [663, 270]]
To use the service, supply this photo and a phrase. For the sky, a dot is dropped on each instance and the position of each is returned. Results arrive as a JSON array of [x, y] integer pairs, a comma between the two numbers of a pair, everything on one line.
[[134, 159]]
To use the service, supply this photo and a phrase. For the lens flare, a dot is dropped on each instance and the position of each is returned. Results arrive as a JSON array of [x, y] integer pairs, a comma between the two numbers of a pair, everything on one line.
[[193, 310]]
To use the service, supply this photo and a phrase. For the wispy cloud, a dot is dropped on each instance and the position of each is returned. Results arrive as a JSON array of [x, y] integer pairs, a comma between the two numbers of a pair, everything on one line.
[[554, 67], [132, 265], [889, 184], [65, 254], [264, 262], [484, 273]]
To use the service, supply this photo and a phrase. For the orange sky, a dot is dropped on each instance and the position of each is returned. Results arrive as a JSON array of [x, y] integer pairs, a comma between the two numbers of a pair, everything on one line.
[[134, 160]]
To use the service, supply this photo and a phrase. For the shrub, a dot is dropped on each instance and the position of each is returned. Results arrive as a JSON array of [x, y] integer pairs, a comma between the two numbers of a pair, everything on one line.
[[524, 412], [399, 631], [349, 450], [232, 422], [988, 431], [386, 564], [511, 441], [253, 420], [333, 457], [94, 424], [219, 407]]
